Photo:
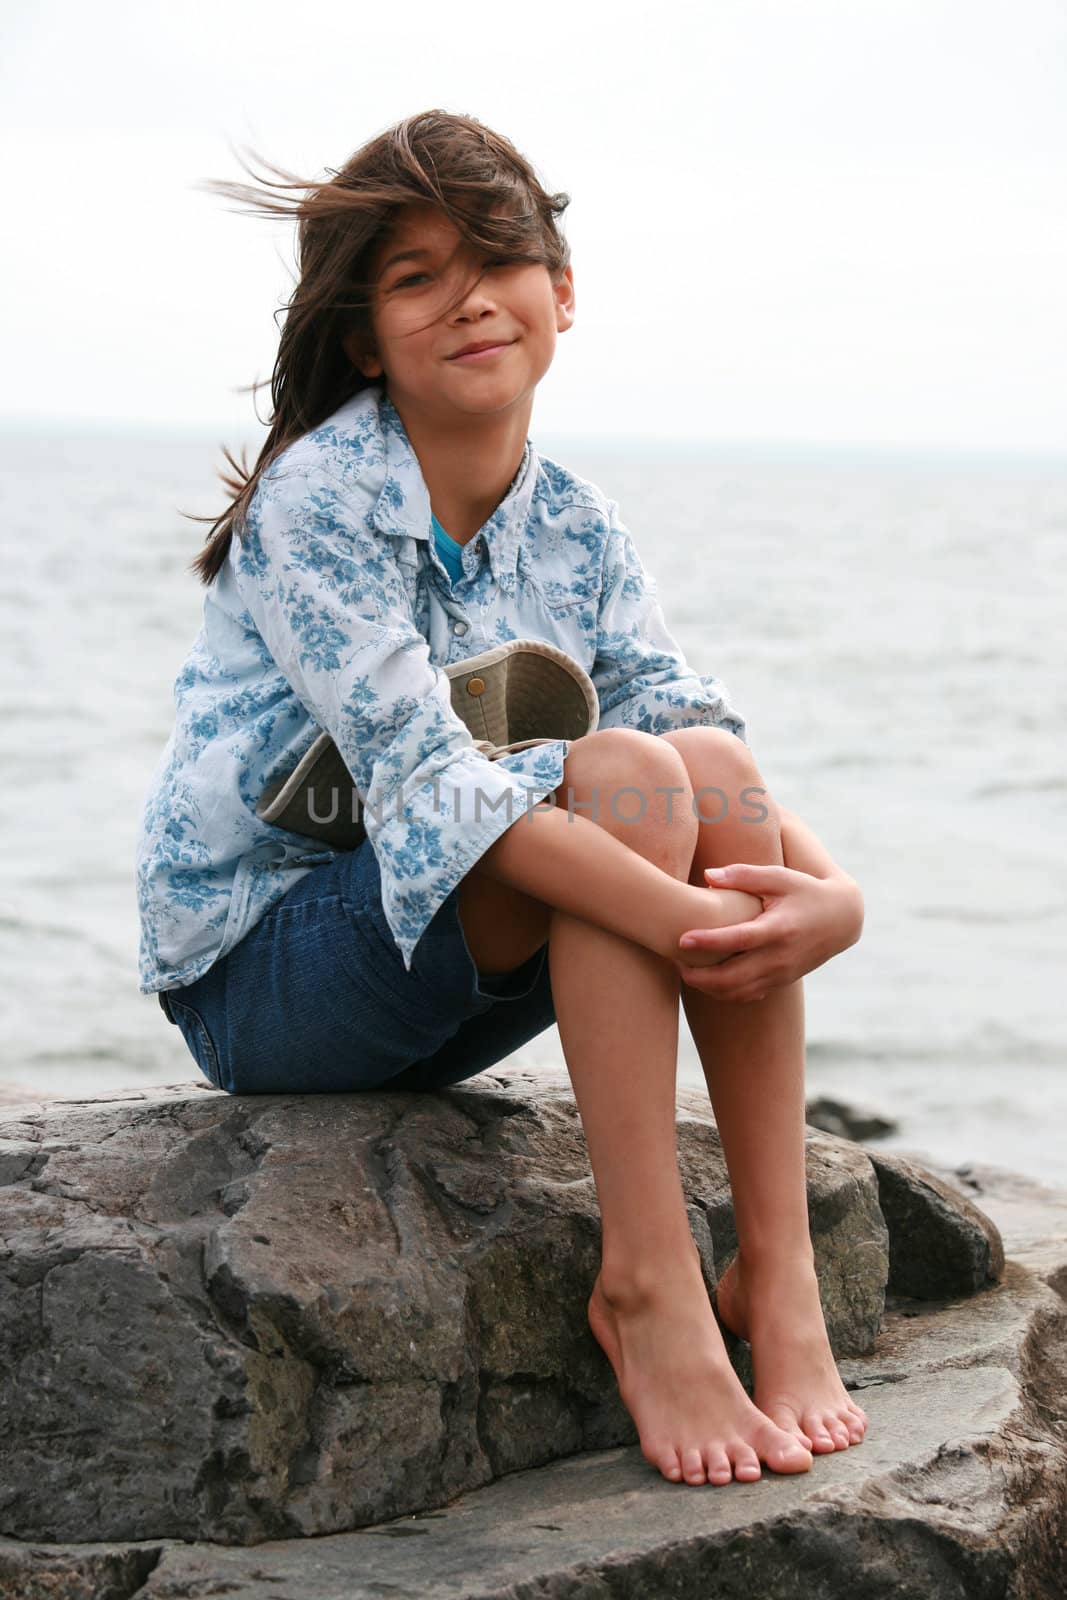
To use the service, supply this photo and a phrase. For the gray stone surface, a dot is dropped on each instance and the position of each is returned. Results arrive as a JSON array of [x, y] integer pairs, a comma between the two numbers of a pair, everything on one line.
[[242, 1318], [958, 1491], [1033, 1214], [939, 1242]]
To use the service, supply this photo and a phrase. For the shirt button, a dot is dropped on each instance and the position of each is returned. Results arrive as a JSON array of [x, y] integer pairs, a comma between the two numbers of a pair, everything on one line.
[[460, 627]]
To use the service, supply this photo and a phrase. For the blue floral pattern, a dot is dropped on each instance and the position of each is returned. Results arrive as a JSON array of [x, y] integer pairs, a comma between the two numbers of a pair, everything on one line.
[[334, 610]]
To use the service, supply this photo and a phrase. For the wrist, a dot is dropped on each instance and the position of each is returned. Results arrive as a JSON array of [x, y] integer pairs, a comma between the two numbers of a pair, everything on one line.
[[693, 907]]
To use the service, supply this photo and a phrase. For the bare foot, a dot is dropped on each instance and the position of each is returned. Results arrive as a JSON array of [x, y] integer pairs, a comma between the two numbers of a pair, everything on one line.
[[775, 1306], [694, 1419]]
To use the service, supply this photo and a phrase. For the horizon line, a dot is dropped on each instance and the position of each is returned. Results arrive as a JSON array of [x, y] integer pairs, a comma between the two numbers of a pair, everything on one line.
[[684, 447]]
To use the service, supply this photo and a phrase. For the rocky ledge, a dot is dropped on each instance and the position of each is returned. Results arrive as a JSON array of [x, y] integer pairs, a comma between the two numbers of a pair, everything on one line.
[[285, 1346]]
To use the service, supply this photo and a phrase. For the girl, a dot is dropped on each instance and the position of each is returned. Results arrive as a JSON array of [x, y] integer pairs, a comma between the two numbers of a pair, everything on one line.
[[398, 520]]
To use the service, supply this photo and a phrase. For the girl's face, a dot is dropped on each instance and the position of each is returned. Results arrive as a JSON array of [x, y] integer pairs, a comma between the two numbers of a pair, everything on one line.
[[513, 304]]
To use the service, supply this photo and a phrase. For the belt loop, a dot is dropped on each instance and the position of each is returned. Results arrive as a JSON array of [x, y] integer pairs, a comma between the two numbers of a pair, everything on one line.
[[165, 1004]]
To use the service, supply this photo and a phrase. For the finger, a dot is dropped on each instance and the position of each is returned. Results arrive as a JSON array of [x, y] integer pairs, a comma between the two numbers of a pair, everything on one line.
[[726, 996], [764, 928], [730, 979], [749, 875], [728, 938], [735, 938]]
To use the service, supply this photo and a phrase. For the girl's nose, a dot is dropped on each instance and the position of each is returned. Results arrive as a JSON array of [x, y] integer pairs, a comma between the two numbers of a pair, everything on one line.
[[478, 293]]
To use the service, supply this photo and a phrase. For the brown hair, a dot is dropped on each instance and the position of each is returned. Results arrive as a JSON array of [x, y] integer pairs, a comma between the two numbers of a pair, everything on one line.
[[475, 176]]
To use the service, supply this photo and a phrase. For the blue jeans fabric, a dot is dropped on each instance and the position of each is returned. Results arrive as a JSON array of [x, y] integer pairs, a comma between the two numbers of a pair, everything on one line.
[[314, 999]]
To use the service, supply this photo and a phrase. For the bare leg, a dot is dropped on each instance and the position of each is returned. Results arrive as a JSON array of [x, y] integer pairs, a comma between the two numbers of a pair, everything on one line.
[[753, 1060], [617, 1011]]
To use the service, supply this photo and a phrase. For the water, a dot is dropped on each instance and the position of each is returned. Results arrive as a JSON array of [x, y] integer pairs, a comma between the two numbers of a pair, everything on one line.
[[893, 630]]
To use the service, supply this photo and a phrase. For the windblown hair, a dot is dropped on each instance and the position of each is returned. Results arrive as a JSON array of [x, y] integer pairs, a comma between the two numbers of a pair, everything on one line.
[[474, 176]]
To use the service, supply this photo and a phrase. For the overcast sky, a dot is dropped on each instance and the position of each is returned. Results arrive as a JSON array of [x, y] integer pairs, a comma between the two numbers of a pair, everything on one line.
[[817, 221]]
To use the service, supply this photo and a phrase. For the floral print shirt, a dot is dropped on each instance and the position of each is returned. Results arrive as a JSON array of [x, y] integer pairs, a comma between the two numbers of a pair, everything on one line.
[[334, 610]]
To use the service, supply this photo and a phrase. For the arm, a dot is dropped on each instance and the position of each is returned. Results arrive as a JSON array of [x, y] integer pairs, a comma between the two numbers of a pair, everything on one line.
[[570, 862], [812, 910], [325, 594], [642, 681], [802, 851], [326, 598], [641, 676]]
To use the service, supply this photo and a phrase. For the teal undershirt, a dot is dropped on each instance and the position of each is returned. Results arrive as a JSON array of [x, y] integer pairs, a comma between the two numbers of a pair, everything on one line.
[[450, 552]]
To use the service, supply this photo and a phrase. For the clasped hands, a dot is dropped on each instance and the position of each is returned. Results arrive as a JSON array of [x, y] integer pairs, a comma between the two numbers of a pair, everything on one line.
[[804, 922]]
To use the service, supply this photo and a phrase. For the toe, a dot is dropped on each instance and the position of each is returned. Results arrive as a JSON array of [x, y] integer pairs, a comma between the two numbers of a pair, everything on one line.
[[857, 1420], [836, 1429], [821, 1441], [746, 1463], [789, 1456], [839, 1431], [693, 1466], [784, 1417], [670, 1466], [718, 1465]]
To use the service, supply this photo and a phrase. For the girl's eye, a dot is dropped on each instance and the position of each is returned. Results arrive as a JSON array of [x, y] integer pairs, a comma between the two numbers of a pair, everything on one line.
[[413, 277]]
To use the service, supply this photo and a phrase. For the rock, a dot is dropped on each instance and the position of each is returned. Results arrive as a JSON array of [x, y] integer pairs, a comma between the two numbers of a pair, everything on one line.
[[1034, 1214], [940, 1244], [238, 1322], [845, 1120], [958, 1492], [247, 1318]]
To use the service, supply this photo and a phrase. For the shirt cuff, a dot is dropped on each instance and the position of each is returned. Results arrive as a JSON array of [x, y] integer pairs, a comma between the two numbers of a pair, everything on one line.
[[427, 840]]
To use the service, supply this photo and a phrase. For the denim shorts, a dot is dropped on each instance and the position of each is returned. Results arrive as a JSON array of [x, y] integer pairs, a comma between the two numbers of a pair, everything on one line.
[[315, 999]]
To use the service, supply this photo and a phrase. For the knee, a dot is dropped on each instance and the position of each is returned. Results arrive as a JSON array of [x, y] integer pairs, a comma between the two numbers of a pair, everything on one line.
[[719, 765], [704, 747], [637, 787]]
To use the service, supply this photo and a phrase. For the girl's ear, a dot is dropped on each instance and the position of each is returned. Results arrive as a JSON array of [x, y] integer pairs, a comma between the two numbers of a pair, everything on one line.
[[564, 293], [354, 348]]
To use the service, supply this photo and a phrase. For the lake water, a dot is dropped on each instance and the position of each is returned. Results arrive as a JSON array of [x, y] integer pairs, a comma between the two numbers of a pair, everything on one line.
[[892, 629]]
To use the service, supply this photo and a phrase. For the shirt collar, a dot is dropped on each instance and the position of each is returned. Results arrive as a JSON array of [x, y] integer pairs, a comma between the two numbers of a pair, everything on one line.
[[403, 505]]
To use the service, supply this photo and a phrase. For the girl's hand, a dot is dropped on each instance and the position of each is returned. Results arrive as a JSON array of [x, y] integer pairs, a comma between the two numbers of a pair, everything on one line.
[[805, 921]]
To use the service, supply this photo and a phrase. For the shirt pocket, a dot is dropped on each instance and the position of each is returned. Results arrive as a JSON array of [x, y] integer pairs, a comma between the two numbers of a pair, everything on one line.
[[194, 1031], [557, 598], [560, 617], [551, 584]]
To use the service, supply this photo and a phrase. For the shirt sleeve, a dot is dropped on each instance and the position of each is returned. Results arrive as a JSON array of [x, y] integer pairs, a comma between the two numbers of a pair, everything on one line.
[[329, 601], [641, 676]]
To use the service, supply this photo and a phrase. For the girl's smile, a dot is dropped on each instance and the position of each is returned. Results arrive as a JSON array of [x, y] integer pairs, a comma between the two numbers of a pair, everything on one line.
[[481, 352]]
